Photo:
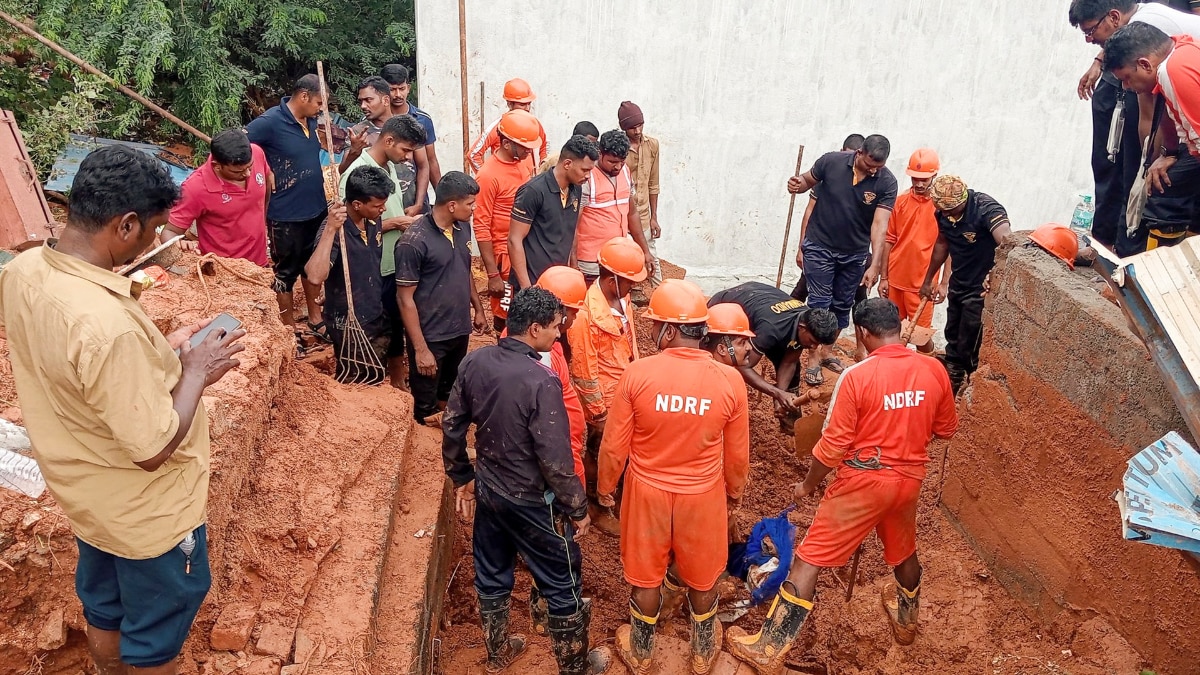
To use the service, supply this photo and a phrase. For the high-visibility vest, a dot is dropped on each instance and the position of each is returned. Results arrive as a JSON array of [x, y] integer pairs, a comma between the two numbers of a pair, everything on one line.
[[606, 214]]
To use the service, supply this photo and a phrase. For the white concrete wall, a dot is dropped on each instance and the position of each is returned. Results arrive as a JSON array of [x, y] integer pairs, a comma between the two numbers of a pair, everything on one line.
[[731, 88]]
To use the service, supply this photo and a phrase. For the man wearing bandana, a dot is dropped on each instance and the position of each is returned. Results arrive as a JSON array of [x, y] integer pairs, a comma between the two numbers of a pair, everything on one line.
[[970, 226]]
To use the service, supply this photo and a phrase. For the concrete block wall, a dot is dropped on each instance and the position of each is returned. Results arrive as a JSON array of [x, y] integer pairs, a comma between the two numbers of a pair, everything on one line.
[[1065, 395]]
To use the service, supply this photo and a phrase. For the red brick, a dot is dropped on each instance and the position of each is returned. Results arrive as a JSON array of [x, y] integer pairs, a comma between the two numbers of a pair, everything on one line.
[[275, 640], [231, 632]]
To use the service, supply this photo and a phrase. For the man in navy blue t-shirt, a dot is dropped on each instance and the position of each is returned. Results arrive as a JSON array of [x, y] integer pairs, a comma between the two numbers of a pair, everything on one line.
[[287, 134], [849, 221]]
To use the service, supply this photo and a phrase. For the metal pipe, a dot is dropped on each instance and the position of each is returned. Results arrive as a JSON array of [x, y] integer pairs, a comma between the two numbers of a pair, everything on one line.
[[462, 67]]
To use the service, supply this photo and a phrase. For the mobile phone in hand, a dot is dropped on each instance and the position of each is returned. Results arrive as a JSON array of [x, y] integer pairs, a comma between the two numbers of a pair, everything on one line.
[[223, 321]]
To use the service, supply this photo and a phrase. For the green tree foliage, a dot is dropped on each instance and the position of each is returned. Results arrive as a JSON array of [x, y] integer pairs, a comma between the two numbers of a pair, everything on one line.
[[214, 63]]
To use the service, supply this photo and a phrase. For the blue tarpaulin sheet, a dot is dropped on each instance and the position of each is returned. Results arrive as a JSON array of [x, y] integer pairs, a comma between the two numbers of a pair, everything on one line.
[[78, 147], [1160, 502]]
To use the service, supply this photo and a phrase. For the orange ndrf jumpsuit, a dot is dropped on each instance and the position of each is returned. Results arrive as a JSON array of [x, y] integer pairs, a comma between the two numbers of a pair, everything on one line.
[[680, 419], [883, 413]]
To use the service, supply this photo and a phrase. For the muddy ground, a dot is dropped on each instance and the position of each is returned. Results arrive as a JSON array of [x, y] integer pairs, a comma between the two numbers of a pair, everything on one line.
[[969, 623]]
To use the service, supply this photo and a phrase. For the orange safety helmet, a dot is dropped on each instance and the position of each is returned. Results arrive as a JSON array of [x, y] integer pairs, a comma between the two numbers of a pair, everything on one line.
[[728, 318], [623, 258], [518, 91], [566, 283], [1058, 240], [923, 164], [521, 127], [677, 301]]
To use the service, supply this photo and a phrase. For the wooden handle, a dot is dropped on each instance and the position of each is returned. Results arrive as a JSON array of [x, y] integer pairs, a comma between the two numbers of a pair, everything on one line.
[[787, 231], [912, 323], [337, 180]]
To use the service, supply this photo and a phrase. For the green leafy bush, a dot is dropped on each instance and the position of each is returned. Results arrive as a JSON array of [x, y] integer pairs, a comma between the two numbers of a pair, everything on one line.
[[214, 63]]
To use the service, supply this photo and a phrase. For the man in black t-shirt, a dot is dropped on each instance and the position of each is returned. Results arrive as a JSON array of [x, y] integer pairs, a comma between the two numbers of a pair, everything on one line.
[[783, 328], [849, 221], [545, 213], [970, 226], [367, 190], [436, 295]]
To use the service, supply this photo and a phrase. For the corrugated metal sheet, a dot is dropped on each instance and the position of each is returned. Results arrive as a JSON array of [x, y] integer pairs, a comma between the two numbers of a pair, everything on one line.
[[78, 147], [1160, 293]]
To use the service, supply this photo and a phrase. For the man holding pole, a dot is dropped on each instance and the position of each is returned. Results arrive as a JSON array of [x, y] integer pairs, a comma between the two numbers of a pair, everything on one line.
[[287, 134], [849, 221]]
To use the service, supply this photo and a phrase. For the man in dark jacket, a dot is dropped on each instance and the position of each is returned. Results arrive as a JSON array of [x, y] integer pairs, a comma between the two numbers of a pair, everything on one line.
[[527, 499]]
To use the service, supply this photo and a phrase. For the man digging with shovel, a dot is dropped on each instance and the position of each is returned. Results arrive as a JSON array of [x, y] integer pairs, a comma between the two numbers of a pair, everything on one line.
[[783, 328], [885, 410]]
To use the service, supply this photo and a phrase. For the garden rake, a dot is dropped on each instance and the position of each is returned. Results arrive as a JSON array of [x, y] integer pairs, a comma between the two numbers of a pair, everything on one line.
[[357, 360]]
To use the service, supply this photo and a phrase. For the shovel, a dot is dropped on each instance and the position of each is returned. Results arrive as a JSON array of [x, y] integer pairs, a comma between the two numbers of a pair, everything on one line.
[[910, 332], [807, 430]]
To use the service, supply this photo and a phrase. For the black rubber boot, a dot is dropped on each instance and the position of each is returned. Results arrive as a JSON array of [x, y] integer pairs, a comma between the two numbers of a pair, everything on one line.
[[502, 648], [569, 639], [706, 638], [766, 651], [903, 610], [539, 612], [635, 640]]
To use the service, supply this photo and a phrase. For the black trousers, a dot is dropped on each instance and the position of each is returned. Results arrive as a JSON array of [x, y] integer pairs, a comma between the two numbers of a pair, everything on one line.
[[1169, 215], [429, 391], [1114, 180], [964, 328], [544, 538]]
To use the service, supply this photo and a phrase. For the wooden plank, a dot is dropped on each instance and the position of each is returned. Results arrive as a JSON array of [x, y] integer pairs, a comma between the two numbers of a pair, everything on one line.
[[1162, 279], [1183, 300]]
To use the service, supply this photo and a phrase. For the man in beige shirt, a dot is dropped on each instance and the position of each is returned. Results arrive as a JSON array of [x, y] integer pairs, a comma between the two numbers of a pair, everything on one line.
[[114, 416], [643, 166]]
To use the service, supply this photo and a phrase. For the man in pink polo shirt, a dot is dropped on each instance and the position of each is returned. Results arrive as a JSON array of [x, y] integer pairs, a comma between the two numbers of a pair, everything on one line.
[[227, 200]]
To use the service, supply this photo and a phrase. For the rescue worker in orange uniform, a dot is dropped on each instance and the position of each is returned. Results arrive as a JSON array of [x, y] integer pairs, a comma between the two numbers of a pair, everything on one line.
[[729, 334], [603, 343], [567, 284], [606, 212], [502, 174], [911, 234], [680, 420], [884, 412], [518, 95]]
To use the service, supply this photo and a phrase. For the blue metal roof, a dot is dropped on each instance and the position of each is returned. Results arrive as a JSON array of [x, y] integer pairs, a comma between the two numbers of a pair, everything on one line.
[[1160, 502], [78, 147]]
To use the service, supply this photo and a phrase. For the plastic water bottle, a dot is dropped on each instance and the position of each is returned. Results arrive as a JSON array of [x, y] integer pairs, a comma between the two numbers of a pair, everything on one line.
[[1085, 211]]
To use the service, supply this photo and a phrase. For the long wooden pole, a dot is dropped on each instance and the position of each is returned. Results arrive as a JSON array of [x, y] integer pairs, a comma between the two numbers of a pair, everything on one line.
[[787, 231], [462, 69], [104, 76]]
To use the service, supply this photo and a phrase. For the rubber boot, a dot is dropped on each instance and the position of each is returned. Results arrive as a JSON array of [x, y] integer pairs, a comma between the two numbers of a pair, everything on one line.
[[502, 648], [635, 640], [569, 639], [706, 638], [903, 610], [673, 594], [539, 612], [766, 651], [958, 377]]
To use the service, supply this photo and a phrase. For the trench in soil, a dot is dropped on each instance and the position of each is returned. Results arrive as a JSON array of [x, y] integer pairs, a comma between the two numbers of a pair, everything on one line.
[[332, 522], [969, 623]]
